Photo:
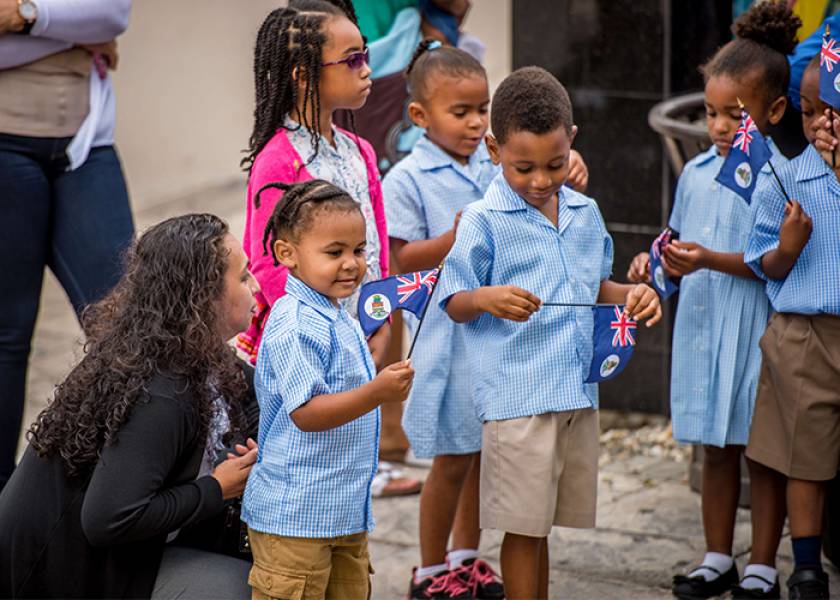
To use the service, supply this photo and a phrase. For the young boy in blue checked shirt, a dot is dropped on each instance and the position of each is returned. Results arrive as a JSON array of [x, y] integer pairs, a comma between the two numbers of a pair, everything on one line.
[[531, 239], [308, 500]]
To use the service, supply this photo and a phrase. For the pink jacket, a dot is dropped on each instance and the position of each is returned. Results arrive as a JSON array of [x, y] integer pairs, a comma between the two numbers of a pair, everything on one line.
[[279, 161]]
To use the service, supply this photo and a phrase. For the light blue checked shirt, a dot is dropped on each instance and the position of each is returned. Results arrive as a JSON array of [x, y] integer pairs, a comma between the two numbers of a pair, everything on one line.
[[720, 317], [311, 484], [813, 285], [523, 369], [423, 193]]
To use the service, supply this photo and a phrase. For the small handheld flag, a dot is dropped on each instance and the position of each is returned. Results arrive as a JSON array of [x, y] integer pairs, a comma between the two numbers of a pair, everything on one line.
[[749, 153], [410, 291], [612, 342], [662, 283], [830, 70]]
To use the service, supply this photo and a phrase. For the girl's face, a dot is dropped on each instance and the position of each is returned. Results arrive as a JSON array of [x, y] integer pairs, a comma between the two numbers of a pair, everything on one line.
[[812, 107], [329, 257], [237, 303], [455, 113], [723, 114], [340, 85]]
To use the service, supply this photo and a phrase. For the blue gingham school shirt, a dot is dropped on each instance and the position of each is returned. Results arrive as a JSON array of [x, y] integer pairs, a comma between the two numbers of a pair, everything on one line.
[[813, 284], [523, 369], [720, 317], [311, 484]]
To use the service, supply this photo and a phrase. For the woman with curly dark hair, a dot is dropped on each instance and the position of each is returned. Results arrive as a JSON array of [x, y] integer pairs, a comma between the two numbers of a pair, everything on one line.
[[125, 456]]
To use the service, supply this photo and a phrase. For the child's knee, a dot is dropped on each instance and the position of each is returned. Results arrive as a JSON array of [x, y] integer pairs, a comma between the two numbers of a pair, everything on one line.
[[714, 456], [453, 467]]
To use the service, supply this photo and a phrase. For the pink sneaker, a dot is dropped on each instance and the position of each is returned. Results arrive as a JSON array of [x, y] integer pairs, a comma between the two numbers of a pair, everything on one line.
[[448, 584], [482, 580]]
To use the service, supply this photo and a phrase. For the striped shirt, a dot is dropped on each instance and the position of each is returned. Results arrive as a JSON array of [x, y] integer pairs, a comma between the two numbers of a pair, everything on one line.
[[813, 284], [522, 369], [311, 484]]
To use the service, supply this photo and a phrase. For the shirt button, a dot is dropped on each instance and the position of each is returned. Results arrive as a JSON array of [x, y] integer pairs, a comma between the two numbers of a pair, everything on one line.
[[707, 230]]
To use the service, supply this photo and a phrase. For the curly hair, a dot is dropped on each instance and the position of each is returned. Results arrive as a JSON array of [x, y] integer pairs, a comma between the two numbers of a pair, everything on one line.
[[428, 61], [294, 213], [764, 36], [291, 40], [160, 318], [530, 99]]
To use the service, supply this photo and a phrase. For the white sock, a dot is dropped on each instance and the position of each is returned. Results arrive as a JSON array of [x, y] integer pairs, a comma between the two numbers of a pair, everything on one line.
[[716, 560], [456, 558], [423, 572], [754, 583]]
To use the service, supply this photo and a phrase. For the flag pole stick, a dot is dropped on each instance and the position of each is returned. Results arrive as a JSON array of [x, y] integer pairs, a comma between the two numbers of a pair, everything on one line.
[[833, 150], [575, 304], [423, 314], [779, 181]]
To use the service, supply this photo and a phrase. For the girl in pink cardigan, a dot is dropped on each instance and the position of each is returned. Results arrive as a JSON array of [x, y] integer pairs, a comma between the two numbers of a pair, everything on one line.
[[308, 64]]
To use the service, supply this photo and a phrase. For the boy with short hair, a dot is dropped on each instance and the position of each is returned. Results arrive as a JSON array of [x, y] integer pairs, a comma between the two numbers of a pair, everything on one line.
[[532, 239]]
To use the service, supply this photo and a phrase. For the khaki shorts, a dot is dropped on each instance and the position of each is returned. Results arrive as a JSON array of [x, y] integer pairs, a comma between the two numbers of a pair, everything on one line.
[[309, 568], [796, 422], [540, 471]]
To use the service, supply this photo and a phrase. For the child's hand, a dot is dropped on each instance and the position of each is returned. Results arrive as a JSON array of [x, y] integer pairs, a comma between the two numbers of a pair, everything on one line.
[[681, 258], [394, 382], [639, 271], [507, 302], [578, 172], [642, 302], [827, 137], [795, 230], [232, 473]]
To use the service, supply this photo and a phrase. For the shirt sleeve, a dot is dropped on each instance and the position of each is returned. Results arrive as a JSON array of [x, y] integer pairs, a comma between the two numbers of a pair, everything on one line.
[[81, 21], [768, 206], [675, 222], [17, 50], [300, 359], [469, 263], [403, 207]]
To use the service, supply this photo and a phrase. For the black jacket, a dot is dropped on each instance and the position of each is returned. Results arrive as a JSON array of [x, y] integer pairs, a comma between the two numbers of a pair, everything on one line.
[[103, 535]]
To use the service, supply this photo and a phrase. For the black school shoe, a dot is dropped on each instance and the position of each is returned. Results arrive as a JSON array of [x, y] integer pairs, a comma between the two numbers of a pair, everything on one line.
[[774, 593], [808, 584], [697, 588]]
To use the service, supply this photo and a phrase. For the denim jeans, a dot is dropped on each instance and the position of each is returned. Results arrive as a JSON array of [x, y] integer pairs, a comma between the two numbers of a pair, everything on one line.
[[77, 223]]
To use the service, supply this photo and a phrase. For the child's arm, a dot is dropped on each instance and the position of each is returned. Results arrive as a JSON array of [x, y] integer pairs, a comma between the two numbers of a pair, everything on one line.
[[640, 300], [328, 411], [423, 254], [502, 301], [793, 236], [681, 258]]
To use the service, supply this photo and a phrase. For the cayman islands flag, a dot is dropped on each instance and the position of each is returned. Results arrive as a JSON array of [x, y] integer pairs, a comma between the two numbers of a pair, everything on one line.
[[749, 153], [612, 343], [663, 284], [830, 70], [410, 291]]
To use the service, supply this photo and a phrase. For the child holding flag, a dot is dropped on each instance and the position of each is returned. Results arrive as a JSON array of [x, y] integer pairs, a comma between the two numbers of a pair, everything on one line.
[[532, 239], [723, 310]]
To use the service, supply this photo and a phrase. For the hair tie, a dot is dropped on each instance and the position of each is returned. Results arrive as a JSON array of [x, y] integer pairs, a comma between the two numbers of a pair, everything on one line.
[[434, 45]]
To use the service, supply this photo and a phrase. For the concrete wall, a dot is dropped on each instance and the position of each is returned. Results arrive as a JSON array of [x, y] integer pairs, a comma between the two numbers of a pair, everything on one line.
[[185, 92]]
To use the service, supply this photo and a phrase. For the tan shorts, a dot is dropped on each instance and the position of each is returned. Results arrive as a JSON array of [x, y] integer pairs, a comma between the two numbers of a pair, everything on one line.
[[796, 422], [309, 568], [540, 471]]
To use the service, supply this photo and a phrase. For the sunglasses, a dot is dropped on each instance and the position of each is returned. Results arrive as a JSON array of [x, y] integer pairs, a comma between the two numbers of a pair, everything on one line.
[[354, 61]]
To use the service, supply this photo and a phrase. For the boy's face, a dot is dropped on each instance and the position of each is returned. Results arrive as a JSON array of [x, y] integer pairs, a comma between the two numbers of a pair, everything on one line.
[[341, 86], [812, 107], [455, 115], [723, 114], [535, 165], [329, 255]]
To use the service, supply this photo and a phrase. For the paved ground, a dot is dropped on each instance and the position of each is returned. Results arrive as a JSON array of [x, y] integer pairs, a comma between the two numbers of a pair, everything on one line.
[[648, 519]]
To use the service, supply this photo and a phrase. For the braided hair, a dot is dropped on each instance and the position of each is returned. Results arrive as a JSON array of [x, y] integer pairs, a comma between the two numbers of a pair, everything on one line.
[[290, 42], [294, 213], [429, 58], [764, 35]]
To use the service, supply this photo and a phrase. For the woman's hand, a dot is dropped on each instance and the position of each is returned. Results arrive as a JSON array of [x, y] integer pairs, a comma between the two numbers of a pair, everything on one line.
[[681, 258], [378, 344], [232, 473], [578, 172], [639, 271], [10, 19], [642, 302], [105, 56]]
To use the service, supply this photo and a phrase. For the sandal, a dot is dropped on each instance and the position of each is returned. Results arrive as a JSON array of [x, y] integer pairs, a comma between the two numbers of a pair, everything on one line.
[[390, 481]]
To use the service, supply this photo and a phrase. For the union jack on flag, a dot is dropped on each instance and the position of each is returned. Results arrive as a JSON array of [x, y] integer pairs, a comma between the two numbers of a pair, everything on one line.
[[622, 327], [743, 135], [829, 82], [829, 54], [410, 283]]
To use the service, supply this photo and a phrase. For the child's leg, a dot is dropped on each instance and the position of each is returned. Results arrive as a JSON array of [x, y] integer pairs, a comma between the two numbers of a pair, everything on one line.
[[438, 502], [767, 505], [721, 489], [524, 566], [805, 500], [350, 573], [466, 533]]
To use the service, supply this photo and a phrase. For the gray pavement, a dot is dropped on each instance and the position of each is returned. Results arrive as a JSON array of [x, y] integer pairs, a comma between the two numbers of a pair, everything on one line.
[[648, 525]]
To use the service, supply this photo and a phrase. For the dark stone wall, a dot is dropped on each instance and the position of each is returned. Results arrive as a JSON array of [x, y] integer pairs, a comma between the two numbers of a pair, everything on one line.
[[618, 58]]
